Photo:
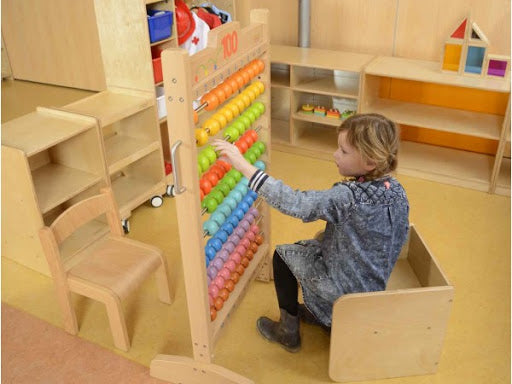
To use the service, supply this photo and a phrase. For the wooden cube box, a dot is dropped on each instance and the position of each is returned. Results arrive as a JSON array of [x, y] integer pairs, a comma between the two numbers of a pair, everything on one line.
[[397, 332]]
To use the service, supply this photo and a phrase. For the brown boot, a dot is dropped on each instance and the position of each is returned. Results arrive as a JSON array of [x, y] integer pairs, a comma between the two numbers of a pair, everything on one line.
[[285, 331]]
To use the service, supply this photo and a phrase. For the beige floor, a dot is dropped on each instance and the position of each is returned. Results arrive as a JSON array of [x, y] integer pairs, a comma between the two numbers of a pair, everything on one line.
[[468, 231]]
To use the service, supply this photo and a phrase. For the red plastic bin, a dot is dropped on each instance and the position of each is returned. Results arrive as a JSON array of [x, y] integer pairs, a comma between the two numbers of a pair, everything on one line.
[[157, 66]]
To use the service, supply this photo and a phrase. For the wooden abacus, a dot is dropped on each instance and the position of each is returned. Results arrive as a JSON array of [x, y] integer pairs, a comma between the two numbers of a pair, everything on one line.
[[241, 55]]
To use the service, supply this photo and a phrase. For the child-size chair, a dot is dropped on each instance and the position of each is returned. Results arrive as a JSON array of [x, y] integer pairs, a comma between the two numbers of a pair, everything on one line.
[[107, 270], [396, 332]]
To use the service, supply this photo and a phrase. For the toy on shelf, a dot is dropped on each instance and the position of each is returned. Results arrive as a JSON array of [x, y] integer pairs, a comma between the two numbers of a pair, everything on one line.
[[347, 113], [307, 108], [465, 53], [319, 110], [224, 228], [333, 113]]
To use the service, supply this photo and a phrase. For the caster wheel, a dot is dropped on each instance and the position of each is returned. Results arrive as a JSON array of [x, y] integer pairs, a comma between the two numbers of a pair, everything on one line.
[[126, 225], [157, 201], [170, 191]]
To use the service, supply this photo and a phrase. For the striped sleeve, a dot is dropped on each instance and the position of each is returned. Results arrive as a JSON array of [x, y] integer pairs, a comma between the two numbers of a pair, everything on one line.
[[257, 180]]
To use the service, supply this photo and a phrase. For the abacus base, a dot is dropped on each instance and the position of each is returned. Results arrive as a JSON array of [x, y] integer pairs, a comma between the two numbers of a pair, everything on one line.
[[181, 370]]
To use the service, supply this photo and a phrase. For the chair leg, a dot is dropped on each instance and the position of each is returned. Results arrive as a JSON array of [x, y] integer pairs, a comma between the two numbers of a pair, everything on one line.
[[68, 312], [117, 322], [165, 291]]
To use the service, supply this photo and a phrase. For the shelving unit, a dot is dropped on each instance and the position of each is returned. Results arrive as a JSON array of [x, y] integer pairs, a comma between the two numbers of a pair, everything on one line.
[[312, 76], [127, 120], [50, 160], [449, 165], [190, 77]]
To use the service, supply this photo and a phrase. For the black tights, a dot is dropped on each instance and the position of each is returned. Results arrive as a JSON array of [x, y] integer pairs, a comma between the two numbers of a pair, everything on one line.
[[287, 288]]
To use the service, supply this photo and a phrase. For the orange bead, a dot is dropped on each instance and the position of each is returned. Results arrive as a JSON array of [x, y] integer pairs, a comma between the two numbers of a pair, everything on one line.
[[255, 67], [253, 247], [245, 262], [224, 294], [240, 269], [218, 303], [230, 285], [213, 313], [226, 87], [250, 70], [239, 79], [235, 276], [196, 117], [232, 83], [226, 166], [258, 239], [245, 76], [261, 65], [249, 254], [211, 100], [219, 92]]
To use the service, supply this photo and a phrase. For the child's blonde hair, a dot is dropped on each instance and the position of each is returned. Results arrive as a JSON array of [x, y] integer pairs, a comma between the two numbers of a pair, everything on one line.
[[376, 138]]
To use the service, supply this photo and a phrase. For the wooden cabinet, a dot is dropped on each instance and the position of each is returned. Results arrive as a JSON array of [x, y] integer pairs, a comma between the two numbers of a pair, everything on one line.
[[451, 110], [317, 77], [133, 153], [50, 160]]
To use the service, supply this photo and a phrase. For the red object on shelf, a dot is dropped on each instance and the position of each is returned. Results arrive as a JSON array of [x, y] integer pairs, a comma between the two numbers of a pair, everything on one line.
[[168, 167], [460, 31], [157, 65]]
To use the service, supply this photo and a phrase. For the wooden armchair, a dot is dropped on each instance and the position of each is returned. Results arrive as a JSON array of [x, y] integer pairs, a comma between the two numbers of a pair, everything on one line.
[[108, 269]]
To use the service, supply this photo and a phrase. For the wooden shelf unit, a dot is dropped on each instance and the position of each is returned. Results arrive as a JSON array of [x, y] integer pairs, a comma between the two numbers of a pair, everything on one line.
[[448, 165], [185, 79], [50, 160], [133, 152], [311, 76]]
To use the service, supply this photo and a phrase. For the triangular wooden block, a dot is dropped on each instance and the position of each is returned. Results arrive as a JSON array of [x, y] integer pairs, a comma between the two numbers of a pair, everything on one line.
[[460, 31], [477, 34]]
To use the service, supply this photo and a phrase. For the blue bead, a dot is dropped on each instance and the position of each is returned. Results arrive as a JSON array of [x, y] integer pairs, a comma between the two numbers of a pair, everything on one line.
[[260, 165], [218, 217], [233, 220], [211, 227], [253, 194], [242, 189], [245, 181], [239, 213], [215, 244], [210, 252], [230, 202], [224, 209], [228, 227], [222, 236], [244, 206], [235, 194], [248, 199]]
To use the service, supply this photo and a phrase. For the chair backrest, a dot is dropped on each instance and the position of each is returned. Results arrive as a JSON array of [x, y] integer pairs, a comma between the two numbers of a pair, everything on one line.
[[84, 211], [72, 219]]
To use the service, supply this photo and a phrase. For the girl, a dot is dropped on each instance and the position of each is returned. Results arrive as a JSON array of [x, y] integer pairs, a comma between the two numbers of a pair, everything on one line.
[[367, 218]]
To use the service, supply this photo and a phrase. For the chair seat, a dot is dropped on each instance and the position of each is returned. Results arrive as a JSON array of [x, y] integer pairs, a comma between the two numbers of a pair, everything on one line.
[[116, 263]]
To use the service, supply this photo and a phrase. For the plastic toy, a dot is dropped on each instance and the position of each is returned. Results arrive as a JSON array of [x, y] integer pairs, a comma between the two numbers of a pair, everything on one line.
[[333, 113], [307, 108], [319, 110]]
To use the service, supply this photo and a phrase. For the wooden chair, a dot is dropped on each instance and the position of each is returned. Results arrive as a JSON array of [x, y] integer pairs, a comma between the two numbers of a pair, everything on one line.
[[107, 269], [396, 332]]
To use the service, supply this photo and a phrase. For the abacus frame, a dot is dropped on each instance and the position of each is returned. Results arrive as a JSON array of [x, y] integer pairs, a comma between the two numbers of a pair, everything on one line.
[[186, 78]]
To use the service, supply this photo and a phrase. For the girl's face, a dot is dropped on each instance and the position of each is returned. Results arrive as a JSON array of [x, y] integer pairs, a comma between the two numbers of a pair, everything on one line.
[[349, 160]]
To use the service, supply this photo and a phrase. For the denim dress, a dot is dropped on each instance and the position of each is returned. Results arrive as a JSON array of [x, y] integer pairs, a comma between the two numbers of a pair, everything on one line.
[[366, 226]]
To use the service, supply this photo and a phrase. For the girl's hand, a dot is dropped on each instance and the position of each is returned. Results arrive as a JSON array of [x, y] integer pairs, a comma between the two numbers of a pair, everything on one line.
[[233, 155]]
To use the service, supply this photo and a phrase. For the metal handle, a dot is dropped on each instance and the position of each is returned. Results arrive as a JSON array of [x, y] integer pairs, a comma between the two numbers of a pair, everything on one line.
[[175, 170]]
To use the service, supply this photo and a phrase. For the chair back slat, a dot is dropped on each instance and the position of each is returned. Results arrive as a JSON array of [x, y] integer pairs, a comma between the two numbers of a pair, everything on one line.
[[79, 214]]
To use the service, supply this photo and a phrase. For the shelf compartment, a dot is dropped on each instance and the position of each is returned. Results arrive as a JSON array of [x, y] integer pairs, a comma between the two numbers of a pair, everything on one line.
[[326, 82], [443, 119], [445, 165], [317, 119], [503, 181], [110, 106], [280, 131], [280, 75], [55, 183], [38, 131], [123, 150], [138, 182]]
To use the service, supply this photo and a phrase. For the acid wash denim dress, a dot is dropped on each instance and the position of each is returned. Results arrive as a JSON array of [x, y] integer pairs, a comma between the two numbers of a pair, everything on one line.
[[367, 224]]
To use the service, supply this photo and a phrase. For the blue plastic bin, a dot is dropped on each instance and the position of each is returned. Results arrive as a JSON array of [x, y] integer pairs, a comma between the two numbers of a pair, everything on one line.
[[160, 26]]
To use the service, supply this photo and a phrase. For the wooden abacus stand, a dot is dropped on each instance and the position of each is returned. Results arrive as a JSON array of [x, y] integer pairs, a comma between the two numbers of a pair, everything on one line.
[[186, 78]]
